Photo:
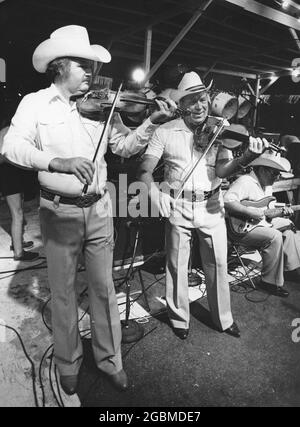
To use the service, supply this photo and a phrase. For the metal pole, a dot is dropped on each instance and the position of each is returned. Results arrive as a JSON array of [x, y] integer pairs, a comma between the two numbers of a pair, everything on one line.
[[255, 113], [177, 39], [147, 50], [295, 37]]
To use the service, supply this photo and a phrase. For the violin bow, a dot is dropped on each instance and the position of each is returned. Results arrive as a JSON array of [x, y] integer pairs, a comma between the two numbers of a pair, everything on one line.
[[84, 190], [220, 127]]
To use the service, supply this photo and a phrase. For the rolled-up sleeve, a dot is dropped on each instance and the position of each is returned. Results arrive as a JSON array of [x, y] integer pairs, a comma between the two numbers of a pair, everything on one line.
[[20, 144], [126, 142], [239, 190]]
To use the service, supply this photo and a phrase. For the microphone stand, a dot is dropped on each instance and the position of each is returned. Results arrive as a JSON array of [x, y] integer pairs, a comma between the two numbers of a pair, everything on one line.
[[131, 330]]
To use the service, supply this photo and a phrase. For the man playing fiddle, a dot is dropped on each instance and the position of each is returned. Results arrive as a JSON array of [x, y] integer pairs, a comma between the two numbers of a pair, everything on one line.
[[48, 134], [276, 239], [181, 142]]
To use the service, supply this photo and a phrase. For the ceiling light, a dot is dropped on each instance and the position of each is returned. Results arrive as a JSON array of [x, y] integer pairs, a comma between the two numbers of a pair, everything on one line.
[[285, 4], [138, 75]]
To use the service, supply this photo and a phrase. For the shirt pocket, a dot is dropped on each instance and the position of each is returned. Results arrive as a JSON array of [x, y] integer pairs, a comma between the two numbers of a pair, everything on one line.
[[55, 135]]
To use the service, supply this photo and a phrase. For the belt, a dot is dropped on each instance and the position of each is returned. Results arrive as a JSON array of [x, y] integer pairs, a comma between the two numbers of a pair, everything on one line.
[[196, 196], [80, 201]]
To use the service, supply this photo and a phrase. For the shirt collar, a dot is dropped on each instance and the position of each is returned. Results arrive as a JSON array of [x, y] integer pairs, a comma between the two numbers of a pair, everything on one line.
[[179, 124], [55, 94]]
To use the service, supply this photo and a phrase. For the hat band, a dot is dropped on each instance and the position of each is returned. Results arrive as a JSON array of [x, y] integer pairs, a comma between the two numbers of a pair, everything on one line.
[[196, 88]]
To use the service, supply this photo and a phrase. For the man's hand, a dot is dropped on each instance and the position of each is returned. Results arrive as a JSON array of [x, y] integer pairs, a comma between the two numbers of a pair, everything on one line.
[[164, 202], [257, 145], [256, 214], [287, 211], [81, 167], [165, 112]]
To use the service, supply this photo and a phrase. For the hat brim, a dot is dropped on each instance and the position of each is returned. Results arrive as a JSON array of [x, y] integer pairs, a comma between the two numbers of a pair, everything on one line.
[[283, 165], [51, 49]]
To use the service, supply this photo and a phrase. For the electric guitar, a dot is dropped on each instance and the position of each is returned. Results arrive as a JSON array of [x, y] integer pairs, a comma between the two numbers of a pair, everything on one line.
[[238, 226]]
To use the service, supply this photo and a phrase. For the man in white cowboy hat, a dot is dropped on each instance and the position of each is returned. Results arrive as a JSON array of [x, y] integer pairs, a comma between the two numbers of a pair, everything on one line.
[[181, 142], [48, 134], [277, 240]]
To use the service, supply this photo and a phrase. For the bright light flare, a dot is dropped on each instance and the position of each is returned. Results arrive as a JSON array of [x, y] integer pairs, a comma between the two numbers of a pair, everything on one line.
[[296, 72], [138, 75], [285, 4]]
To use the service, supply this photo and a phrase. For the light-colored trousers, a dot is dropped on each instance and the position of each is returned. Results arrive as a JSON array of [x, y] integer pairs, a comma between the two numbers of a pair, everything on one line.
[[213, 252], [280, 251], [67, 231]]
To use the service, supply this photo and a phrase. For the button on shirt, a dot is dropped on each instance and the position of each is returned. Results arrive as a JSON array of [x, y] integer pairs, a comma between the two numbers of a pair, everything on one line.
[[46, 126], [174, 141]]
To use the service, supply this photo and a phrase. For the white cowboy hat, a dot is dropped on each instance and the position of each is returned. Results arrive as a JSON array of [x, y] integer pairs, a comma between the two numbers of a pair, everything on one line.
[[273, 160], [190, 83], [71, 40]]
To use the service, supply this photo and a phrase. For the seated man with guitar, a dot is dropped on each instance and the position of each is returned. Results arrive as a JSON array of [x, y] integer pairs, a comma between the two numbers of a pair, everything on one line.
[[255, 220]]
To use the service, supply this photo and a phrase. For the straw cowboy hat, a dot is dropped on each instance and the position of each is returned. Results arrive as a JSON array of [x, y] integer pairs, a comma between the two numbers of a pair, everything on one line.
[[190, 83], [71, 40], [273, 160]]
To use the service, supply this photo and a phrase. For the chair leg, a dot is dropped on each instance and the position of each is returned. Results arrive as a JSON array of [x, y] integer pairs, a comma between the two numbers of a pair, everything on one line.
[[244, 267]]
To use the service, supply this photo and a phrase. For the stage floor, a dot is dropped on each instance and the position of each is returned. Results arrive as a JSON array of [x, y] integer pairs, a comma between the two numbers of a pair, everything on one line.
[[208, 369]]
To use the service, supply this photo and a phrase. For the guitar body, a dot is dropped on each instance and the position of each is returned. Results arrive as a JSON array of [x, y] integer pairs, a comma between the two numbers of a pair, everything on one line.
[[239, 226]]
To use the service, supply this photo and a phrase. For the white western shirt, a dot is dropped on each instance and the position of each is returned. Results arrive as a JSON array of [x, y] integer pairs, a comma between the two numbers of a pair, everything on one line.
[[174, 141], [45, 126], [246, 187]]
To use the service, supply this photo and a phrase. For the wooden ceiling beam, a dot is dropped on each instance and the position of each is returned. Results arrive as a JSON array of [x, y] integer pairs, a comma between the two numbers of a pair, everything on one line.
[[228, 72], [267, 12], [157, 19], [242, 31], [196, 31], [211, 55], [213, 46], [204, 5], [111, 6]]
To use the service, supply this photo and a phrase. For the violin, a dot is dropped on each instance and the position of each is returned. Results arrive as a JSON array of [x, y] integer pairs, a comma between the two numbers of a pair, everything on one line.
[[235, 135], [96, 102]]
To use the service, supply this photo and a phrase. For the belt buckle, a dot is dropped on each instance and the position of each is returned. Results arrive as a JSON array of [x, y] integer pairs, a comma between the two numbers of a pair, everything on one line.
[[86, 201], [198, 196]]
